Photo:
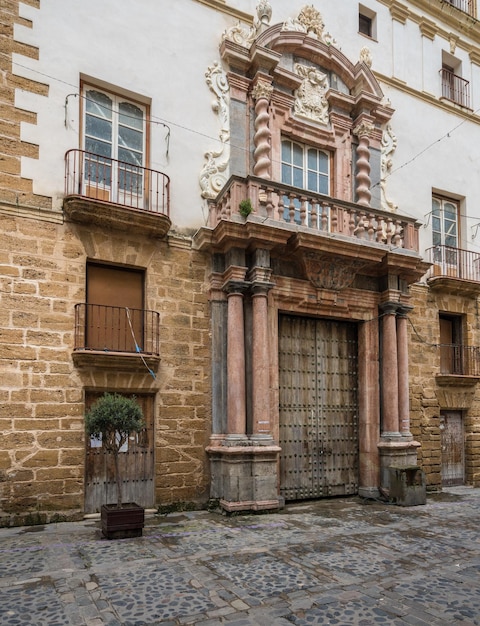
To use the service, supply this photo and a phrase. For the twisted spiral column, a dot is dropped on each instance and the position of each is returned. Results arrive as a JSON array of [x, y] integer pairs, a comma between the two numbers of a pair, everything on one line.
[[363, 131], [262, 93]]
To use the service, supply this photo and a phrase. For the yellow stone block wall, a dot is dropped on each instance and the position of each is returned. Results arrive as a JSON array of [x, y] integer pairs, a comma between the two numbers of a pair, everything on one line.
[[42, 277], [427, 397]]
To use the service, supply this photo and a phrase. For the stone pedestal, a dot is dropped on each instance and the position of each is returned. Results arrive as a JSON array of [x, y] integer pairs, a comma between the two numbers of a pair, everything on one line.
[[244, 478], [398, 453]]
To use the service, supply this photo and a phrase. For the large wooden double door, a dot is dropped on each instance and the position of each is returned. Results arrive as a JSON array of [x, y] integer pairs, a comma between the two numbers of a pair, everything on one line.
[[318, 407]]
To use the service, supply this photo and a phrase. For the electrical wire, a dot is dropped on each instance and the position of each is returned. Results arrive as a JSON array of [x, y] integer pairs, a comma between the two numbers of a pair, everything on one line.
[[138, 349]]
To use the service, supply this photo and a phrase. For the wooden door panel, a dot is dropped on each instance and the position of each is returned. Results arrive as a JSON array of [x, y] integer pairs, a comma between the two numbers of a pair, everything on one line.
[[318, 407], [452, 442]]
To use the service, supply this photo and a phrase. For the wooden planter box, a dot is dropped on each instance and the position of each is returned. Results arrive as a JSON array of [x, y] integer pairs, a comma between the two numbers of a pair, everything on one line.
[[124, 522]]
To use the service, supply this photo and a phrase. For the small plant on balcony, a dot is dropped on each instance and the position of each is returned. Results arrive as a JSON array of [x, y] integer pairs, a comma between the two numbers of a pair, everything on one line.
[[245, 207], [113, 418]]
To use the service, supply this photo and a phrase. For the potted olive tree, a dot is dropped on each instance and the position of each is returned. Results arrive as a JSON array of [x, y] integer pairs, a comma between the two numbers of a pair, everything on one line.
[[112, 419]]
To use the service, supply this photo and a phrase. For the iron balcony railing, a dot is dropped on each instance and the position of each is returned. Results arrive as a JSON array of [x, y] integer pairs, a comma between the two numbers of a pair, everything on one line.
[[459, 360], [467, 6], [449, 262], [455, 88], [116, 329], [103, 179], [315, 211]]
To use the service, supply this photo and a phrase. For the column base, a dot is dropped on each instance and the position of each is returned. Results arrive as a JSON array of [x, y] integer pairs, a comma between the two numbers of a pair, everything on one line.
[[245, 478], [395, 453]]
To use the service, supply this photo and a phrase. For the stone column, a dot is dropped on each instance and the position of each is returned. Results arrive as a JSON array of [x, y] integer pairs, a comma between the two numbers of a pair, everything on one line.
[[261, 426], [261, 93], [363, 131], [236, 407], [403, 388], [389, 371]]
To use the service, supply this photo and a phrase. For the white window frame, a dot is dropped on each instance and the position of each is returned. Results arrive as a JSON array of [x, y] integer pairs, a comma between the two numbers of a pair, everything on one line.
[[445, 230], [120, 173], [302, 175]]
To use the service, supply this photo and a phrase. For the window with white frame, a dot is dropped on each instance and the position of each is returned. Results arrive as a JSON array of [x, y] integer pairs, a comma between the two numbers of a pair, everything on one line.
[[114, 142], [445, 230], [306, 168]]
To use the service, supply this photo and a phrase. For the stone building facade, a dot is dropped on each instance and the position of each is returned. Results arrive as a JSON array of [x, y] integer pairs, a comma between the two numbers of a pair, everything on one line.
[[283, 268]]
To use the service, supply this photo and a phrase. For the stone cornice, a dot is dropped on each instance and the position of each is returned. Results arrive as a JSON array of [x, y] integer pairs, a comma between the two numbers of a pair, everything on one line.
[[222, 7], [440, 10]]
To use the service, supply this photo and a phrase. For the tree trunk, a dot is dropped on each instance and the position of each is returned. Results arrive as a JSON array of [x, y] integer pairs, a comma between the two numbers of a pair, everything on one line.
[[118, 481]]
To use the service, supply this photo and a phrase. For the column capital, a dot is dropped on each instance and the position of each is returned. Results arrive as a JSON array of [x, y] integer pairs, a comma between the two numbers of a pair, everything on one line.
[[235, 287], [389, 308], [404, 309]]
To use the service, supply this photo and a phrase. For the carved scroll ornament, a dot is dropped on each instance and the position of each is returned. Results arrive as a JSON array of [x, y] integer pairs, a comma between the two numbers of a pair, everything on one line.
[[213, 176]]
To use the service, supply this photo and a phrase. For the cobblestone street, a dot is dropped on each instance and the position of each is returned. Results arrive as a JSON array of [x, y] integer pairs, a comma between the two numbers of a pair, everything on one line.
[[341, 561]]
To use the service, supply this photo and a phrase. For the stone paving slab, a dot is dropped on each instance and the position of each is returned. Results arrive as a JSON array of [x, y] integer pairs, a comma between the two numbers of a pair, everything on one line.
[[342, 561]]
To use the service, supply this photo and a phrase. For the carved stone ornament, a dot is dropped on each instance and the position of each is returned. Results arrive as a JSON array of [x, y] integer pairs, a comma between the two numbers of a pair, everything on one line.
[[244, 35], [213, 175], [366, 56], [264, 12], [389, 145], [310, 98], [310, 21], [262, 90], [327, 272], [364, 129]]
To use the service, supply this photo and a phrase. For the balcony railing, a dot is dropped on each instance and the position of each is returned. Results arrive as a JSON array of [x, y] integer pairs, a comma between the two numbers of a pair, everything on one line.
[[467, 6], [116, 329], [448, 262], [315, 212], [459, 360], [455, 88], [107, 180]]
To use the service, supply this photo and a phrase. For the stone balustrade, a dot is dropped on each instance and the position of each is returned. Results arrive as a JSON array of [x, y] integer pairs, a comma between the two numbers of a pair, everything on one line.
[[315, 212]]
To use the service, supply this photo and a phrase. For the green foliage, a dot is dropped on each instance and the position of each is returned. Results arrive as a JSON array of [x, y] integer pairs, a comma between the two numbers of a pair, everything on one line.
[[245, 207], [113, 417]]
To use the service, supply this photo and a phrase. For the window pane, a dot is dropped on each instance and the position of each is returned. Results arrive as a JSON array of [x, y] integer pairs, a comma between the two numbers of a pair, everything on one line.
[[130, 115], [99, 104], [323, 186], [286, 151], [130, 156], [286, 174], [297, 155], [97, 127], [435, 207], [98, 147], [312, 160], [297, 177], [323, 160], [129, 138]]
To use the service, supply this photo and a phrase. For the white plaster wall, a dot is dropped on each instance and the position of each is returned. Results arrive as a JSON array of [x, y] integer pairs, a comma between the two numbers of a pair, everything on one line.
[[160, 50]]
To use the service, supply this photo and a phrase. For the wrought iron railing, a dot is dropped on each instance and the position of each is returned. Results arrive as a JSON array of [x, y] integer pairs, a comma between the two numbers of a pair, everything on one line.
[[108, 180], [467, 6], [116, 329], [455, 88], [448, 262], [315, 211], [459, 360]]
